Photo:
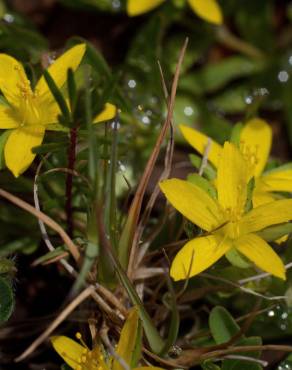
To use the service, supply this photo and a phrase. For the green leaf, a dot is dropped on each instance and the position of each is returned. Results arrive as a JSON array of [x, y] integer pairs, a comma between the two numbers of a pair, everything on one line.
[[237, 259], [222, 325], [250, 189], [230, 364], [209, 365], [204, 184], [7, 266], [6, 300], [209, 171], [48, 256], [275, 232], [235, 134], [3, 139], [174, 321], [217, 75], [137, 351], [58, 97], [155, 341], [232, 100], [72, 90], [24, 245]]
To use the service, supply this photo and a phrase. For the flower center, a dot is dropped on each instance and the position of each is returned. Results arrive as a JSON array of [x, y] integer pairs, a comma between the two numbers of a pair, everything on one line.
[[28, 109], [231, 229], [250, 154]]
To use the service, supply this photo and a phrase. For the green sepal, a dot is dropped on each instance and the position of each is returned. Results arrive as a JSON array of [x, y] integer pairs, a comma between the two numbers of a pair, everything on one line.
[[235, 134], [249, 195], [209, 171], [3, 139], [275, 232], [202, 183], [6, 299], [59, 98], [237, 259], [72, 90]]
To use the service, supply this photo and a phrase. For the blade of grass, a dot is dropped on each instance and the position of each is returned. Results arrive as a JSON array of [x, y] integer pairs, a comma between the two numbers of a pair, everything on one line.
[[155, 341], [126, 240]]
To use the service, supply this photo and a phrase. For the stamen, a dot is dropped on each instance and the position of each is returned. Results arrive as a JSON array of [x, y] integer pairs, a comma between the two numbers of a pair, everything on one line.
[[79, 337]]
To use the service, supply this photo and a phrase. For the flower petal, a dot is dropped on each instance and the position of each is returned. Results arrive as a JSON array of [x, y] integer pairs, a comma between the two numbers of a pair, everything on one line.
[[193, 202], [127, 340], [109, 112], [12, 74], [58, 70], [200, 141], [277, 181], [260, 197], [7, 118], [135, 7], [17, 151], [209, 10], [232, 179], [197, 255], [70, 351], [255, 142], [263, 256], [266, 215]]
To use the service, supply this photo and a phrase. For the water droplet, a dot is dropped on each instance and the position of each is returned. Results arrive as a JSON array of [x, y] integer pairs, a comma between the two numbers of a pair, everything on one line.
[[116, 4], [290, 60], [283, 76], [284, 315], [51, 58], [249, 99], [188, 111], [122, 167], [132, 84], [271, 313], [146, 120], [9, 18]]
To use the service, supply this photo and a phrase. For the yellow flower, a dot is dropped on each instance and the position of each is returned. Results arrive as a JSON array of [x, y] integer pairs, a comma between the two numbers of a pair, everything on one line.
[[224, 219], [79, 357], [255, 145], [209, 10], [29, 112]]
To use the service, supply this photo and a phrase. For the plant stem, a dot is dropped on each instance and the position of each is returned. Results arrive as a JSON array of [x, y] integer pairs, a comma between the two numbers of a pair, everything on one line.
[[69, 179]]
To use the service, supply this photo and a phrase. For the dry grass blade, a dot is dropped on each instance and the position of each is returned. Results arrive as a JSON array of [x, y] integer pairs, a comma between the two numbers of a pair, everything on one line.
[[61, 317], [137, 201], [43, 230], [46, 219]]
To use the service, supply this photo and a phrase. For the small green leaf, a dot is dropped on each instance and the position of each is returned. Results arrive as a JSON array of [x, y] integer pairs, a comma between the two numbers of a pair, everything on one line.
[[250, 189], [58, 96], [275, 232], [3, 139], [7, 266], [235, 134], [241, 364], [48, 256], [222, 325], [209, 365], [6, 300], [209, 171], [72, 90], [204, 184], [237, 259], [217, 75]]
